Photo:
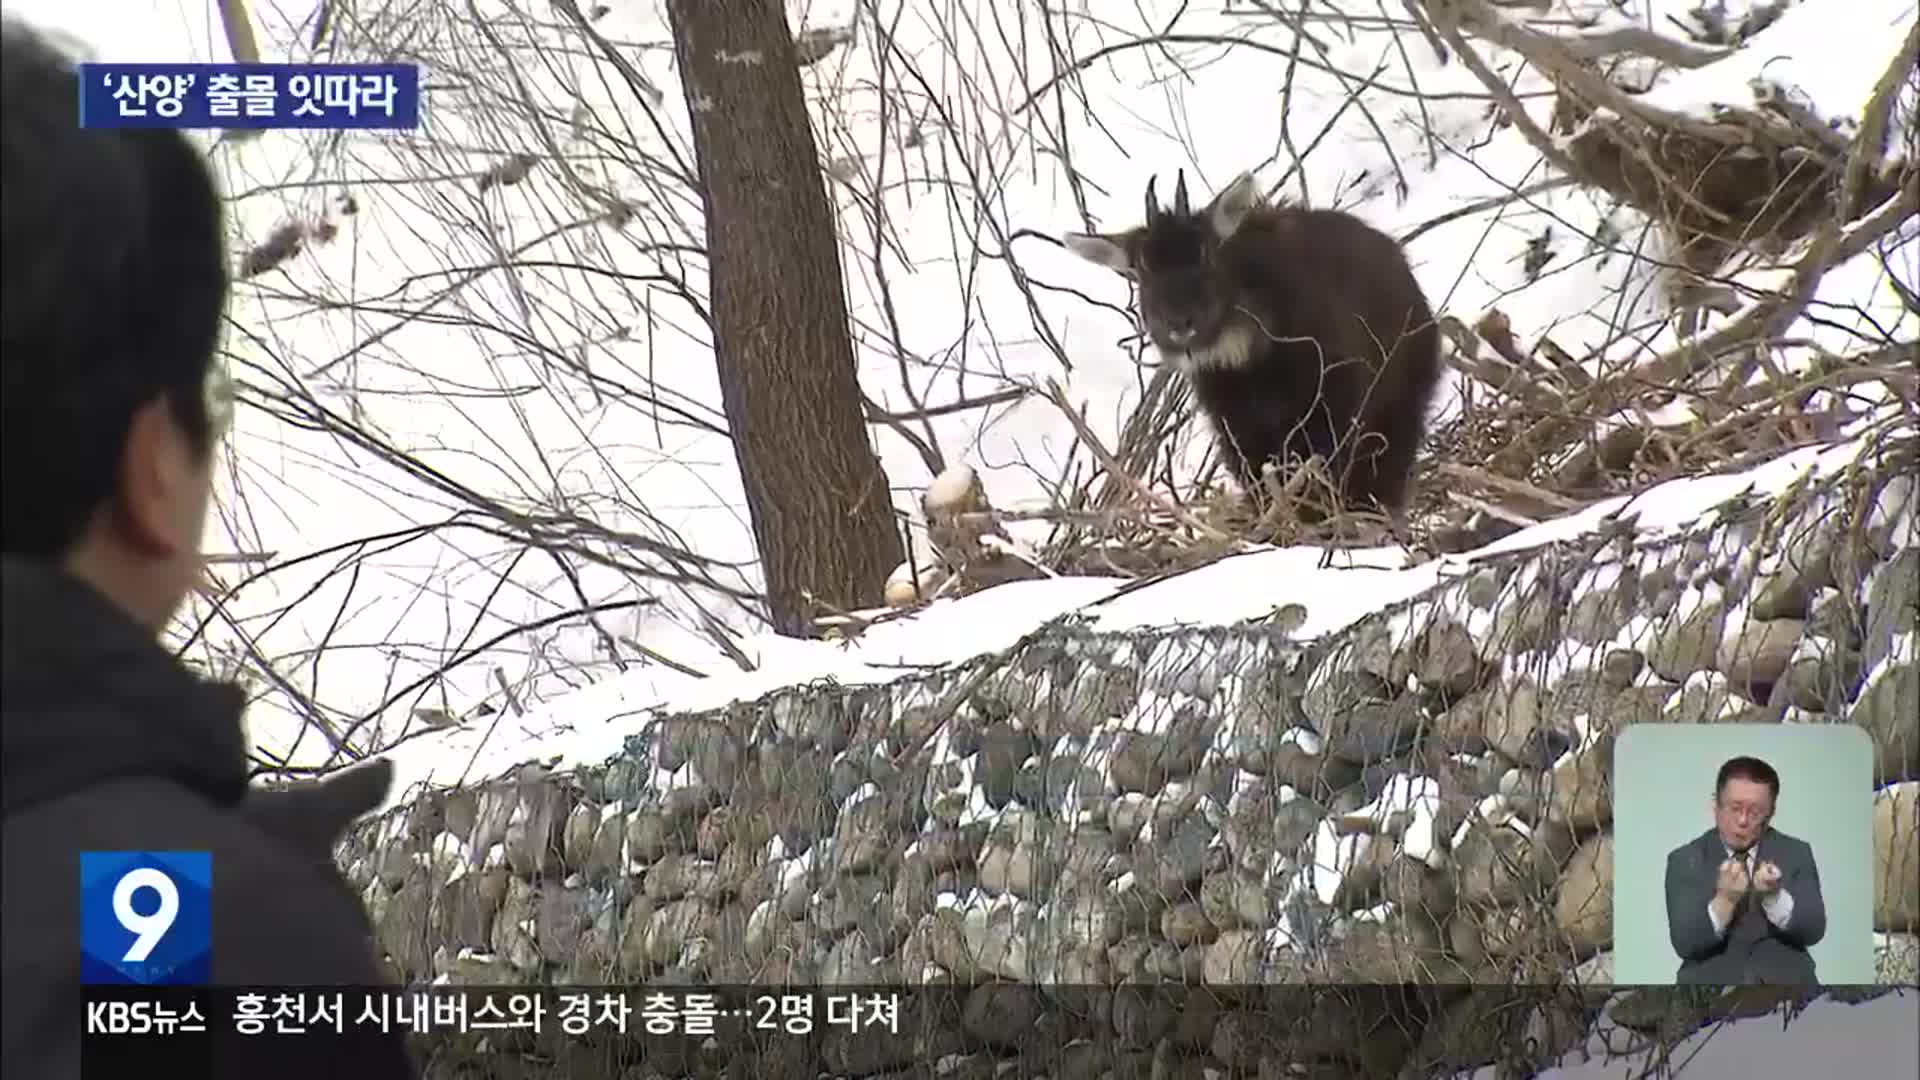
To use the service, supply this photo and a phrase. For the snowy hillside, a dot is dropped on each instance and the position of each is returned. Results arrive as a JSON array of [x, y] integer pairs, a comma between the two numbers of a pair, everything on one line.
[[586, 728], [422, 413]]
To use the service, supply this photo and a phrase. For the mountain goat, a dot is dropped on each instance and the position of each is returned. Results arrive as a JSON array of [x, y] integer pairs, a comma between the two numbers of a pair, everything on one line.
[[1302, 332]]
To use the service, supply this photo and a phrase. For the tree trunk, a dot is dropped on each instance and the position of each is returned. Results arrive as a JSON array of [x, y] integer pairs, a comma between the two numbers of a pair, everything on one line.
[[822, 514]]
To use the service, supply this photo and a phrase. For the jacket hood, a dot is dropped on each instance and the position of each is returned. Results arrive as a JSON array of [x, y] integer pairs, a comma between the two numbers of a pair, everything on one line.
[[88, 695]]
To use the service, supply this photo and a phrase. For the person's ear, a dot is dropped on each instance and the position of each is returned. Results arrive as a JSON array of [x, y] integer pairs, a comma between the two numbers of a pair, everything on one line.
[[157, 475]]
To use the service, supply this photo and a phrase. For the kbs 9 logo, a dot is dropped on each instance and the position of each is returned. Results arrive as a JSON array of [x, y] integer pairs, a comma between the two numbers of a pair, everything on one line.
[[146, 918]]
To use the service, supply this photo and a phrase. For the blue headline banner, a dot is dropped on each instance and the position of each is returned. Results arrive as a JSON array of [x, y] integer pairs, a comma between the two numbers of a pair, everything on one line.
[[367, 96]]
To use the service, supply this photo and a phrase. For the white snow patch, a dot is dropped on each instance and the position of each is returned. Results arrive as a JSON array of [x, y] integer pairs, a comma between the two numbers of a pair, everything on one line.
[[1585, 734], [1904, 651], [1246, 785], [860, 794], [1834, 72], [1492, 810], [978, 808], [1279, 936], [1304, 737], [795, 870], [1333, 855], [1378, 913], [1598, 578], [1254, 585], [1480, 625], [1897, 509], [1152, 714], [1637, 632], [591, 725], [1099, 758], [949, 490], [943, 751], [1419, 797], [1696, 597]]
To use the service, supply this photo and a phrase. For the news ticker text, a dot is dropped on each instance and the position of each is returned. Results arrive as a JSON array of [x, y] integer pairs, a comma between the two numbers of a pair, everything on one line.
[[242, 96], [127, 1015], [837, 1031], [173, 1011]]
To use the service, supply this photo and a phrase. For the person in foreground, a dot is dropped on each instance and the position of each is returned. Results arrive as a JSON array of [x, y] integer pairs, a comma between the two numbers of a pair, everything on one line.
[[112, 294], [1743, 898]]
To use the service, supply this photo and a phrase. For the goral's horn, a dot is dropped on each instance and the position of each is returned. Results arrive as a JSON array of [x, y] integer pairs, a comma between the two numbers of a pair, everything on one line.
[[1180, 196], [1153, 204]]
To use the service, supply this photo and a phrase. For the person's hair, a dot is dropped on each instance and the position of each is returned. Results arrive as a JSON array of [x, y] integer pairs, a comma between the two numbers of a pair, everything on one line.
[[1751, 769], [113, 288]]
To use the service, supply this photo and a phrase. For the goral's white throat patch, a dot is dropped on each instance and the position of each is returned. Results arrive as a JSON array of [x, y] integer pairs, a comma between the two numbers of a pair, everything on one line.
[[1231, 348]]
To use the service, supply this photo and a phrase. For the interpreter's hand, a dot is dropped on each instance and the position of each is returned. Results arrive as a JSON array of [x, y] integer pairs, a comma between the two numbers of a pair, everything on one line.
[[1734, 882], [1766, 879]]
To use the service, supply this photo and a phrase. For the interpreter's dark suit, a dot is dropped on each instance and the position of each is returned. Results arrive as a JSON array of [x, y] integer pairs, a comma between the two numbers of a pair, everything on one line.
[[1764, 942]]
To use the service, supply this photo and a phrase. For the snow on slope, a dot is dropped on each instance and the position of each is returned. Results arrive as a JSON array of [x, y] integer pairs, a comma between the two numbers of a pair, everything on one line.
[[975, 330], [1873, 1040], [1828, 63], [1164, 93], [588, 727]]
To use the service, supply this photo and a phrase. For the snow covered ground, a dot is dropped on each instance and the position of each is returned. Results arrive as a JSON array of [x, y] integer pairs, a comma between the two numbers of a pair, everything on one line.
[[462, 391], [1870, 1041], [590, 726]]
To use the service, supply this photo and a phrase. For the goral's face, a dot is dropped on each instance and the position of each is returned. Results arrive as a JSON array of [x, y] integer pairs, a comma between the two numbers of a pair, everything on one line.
[[1184, 311], [1184, 297]]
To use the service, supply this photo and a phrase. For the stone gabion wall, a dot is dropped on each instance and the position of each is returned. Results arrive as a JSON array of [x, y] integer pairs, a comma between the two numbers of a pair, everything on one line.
[[1423, 798]]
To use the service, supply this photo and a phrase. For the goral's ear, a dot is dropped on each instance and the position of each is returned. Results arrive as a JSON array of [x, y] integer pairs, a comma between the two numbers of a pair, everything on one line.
[[1108, 251], [1229, 209]]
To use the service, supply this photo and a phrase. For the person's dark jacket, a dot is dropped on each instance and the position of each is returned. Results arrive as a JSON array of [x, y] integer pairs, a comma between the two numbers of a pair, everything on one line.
[[1752, 949], [110, 743]]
